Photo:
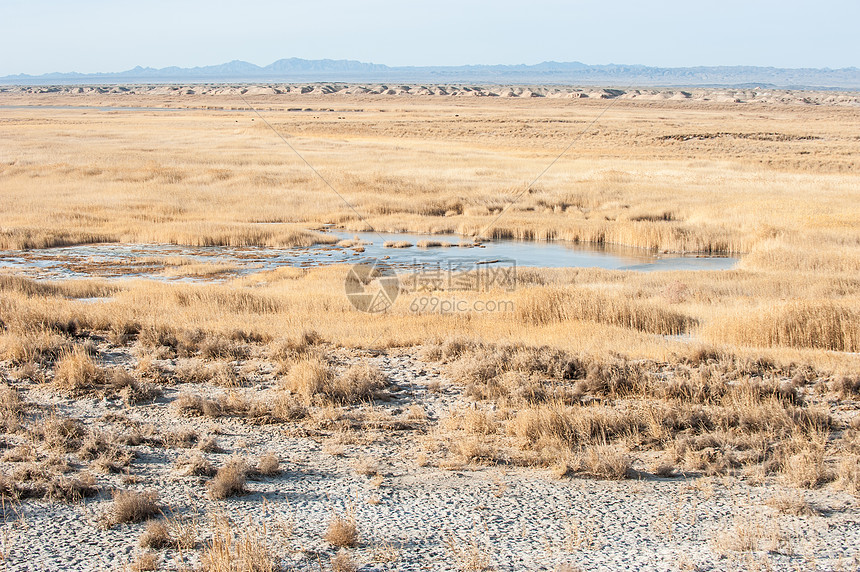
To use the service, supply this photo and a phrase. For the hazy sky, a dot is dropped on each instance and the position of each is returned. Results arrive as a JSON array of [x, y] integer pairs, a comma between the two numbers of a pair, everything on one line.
[[101, 35]]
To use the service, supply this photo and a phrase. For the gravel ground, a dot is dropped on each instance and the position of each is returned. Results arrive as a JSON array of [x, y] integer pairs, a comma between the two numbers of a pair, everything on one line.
[[424, 517]]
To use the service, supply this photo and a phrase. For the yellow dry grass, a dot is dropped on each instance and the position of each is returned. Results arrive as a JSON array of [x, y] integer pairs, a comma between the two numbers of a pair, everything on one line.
[[776, 182], [733, 310], [672, 176], [789, 203], [77, 372]]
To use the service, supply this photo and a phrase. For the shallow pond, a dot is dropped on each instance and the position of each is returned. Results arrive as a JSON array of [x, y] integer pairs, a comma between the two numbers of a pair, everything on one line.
[[148, 260]]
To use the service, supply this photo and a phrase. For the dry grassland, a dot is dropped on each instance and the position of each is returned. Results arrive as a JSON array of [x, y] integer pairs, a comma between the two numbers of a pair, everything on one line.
[[750, 373], [776, 183], [768, 180]]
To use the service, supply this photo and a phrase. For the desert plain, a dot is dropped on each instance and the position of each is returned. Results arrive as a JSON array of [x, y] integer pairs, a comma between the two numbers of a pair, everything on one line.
[[206, 415]]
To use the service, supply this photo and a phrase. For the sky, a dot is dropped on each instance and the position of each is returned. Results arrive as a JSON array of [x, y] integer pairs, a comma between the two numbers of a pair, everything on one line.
[[104, 36]]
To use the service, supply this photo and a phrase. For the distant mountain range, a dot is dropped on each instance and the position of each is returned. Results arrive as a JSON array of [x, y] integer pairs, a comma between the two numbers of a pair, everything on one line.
[[560, 73]]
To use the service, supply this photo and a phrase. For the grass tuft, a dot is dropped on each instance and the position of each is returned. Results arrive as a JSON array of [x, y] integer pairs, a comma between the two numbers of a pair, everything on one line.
[[77, 373], [342, 531], [229, 481], [131, 507]]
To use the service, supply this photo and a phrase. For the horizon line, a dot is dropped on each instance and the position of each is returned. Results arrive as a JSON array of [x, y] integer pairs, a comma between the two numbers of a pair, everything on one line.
[[429, 66]]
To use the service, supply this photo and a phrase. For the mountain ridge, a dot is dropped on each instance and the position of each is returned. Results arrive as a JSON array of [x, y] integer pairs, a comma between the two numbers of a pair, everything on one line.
[[570, 73]]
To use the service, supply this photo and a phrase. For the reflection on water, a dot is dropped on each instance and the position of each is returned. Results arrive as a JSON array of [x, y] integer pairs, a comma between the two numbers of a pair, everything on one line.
[[146, 260], [533, 254]]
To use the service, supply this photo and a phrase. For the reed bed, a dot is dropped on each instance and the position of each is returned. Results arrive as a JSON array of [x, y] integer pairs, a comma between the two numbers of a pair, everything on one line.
[[539, 306], [208, 179], [632, 314], [813, 324], [788, 202]]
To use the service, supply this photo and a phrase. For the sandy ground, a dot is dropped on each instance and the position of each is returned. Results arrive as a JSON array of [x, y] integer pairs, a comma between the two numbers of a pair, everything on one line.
[[415, 517], [332, 90]]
